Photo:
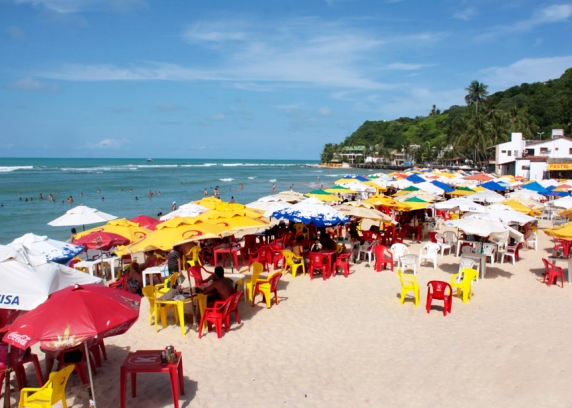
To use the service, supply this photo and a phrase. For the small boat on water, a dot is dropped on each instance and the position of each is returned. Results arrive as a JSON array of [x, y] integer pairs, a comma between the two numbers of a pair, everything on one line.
[[149, 160]]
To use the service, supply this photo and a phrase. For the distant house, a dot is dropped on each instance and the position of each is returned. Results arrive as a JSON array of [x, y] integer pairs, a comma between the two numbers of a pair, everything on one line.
[[351, 153], [534, 159], [397, 158]]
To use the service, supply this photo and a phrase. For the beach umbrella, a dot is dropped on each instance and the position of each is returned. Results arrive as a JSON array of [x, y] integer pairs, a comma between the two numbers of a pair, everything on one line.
[[235, 221], [522, 207], [535, 186], [527, 194], [186, 210], [101, 240], [209, 202], [561, 231], [52, 250], [173, 232], [461, 192], [496, 230], [121, 226], [146, 221], [268, 206], [493, 185], [565, 202], [460, 204], [81, 215], [362, 212], [566, 213], [443, 186], [323, 196], [388, 202], [509, 216], [360, 187], [77, 314], [360, 204], [430, 188], [340, 190], [314, 211], [290, 196], [415, 178], [486, 196], [478, 177]]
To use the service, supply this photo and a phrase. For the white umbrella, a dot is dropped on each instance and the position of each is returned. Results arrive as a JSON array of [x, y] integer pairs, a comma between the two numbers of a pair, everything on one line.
[[312, 210], [28, 280], [186, 210], [485, 228], [564, 202], [507, 216], [362, 212], [430, 188], [360, 187], [269, 206], [528, 194], [81, 215], [460, 204], [486, 196], [52, 250]]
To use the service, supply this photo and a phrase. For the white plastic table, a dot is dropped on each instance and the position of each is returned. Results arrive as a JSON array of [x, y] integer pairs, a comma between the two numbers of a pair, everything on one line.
[[89, 265], [163, 270]]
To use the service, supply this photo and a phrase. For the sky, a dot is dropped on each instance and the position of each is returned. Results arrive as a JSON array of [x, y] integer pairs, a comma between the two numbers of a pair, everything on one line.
[[267, 79]]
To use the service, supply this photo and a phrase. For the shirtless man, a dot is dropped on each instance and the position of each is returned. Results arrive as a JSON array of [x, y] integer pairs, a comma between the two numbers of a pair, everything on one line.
[[220, 288]]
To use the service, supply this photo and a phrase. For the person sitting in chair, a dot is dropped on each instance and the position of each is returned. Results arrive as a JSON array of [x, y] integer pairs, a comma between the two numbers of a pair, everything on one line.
[[219, 288], [135, 281]]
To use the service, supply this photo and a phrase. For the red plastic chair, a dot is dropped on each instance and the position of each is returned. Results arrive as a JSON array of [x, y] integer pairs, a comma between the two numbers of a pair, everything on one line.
[[398, 238], [433, 236], [262, 255], [80, 366], [438, 290], [342, 261], [320, 262], [383, 257], [120, 283], [552, 273], [215, 315], [367, 236], [98, 349], [196, 274], [20, 371], [276, 248], [233, 308]]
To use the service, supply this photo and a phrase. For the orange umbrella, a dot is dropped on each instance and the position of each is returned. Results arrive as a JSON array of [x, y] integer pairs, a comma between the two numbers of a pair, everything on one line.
[[478, 177]]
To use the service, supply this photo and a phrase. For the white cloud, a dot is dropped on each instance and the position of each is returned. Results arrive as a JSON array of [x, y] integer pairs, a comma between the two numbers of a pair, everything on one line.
[[526, 70], [465, 14], [324, 111], [31, 84], [400, 66], [79, 6], [110, 144]]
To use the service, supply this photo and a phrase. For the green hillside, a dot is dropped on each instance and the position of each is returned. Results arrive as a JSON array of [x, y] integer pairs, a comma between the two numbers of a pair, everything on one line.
[[471, 130]]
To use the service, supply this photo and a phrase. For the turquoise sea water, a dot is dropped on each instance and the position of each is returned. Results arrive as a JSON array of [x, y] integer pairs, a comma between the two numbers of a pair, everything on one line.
[[180, 180]]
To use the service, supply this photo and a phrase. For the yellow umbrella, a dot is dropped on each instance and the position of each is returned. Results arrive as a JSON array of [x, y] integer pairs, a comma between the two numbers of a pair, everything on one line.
[[566, 213], [461, 192], [173, 232], [362, 212], [388, 202], [375, 185], [345, 180], [360, 204], [232, 222], [324, 197], [340, 190], [209, 202], [515, 205], [121, 226], [232, 208], [562, 231]]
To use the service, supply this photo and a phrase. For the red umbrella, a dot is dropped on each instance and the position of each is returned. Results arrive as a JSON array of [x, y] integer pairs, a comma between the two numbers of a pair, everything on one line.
[[76, 314], [146, 221], [101, 240]]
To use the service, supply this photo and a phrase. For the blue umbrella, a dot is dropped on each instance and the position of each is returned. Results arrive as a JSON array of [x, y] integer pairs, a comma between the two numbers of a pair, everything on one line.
[[534, 186], [493, 185], [443, 186], [314, 211], [415, 178]]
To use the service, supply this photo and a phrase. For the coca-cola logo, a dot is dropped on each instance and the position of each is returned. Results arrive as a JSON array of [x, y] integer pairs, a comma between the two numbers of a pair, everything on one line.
[[21, 339]]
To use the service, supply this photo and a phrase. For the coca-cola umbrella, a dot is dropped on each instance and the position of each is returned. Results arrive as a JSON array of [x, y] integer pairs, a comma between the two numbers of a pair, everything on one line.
[[101, 240], [77, 314], [146, 221]]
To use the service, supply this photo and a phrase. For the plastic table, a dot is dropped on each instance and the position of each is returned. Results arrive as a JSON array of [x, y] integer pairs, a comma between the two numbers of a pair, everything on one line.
[[149, 361]]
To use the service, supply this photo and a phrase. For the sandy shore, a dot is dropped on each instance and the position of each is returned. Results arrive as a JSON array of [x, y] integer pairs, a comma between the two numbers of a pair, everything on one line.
[[348, 342]]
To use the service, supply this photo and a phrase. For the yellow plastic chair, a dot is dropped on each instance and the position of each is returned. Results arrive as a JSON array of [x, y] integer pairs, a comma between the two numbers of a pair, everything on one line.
[[194, 256], [303, 230], [54, 390], [408, 284], [463, 282], [169, 283], [340, 248], [257, 269], [151, 295], [266, 287], [289, 258]]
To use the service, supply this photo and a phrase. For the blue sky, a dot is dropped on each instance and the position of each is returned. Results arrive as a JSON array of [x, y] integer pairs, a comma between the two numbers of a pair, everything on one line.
[[272, 79]]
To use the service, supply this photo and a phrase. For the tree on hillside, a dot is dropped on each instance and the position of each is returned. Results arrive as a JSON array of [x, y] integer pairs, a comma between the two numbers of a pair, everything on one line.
[[477, 94]]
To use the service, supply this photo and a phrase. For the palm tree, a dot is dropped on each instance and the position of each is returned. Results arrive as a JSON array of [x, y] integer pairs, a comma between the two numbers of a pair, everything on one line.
[[477, 93]]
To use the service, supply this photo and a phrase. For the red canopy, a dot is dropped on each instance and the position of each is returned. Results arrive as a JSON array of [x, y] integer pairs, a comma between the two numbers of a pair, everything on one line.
[[101, 240], [146, 221], [479, 177], [73, 315]]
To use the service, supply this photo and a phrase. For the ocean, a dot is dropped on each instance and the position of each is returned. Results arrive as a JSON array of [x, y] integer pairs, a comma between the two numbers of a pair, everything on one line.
[[120, 187]]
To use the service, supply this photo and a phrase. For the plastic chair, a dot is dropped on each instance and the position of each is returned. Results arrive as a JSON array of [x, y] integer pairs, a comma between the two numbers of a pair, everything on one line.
[[215, 315], [468, 263], [276, 255], [532, 240], [318, 261], [97, 349], [463, 282], [233, 308], [261, 255], [512, 253], [367, 236], [194, 256], [408, 284], [249, 284], [489, 251], [438, 290], [342, 261], [169, 283], [53, 391], [289, 258], [429, 251], [196, 274], [383, 257], [409, 260], [266, 287], [120, 283], [399, 237], [149, 293], [79, 366], [552, 273], [19, 368], [398, 251], [450, 238], [443, 244], [468, 249], [367, 250]]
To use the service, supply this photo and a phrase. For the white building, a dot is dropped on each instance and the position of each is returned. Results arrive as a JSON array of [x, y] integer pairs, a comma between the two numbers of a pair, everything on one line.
[[529, 158]]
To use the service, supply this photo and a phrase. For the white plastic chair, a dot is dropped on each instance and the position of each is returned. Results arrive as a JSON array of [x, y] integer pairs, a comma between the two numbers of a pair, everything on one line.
[[367, 250], [429, 251], [468, 263], [450, 238], [443, 244], [532, 239], [467, 249], [398, 250], [489, 251], [409, 260]]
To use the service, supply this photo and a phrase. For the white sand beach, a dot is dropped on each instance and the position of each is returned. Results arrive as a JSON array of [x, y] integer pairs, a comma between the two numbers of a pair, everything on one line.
[[348, 342]]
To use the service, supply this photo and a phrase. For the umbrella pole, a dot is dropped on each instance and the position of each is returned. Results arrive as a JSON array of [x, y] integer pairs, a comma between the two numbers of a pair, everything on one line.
[[7, 379], [91, 390]]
